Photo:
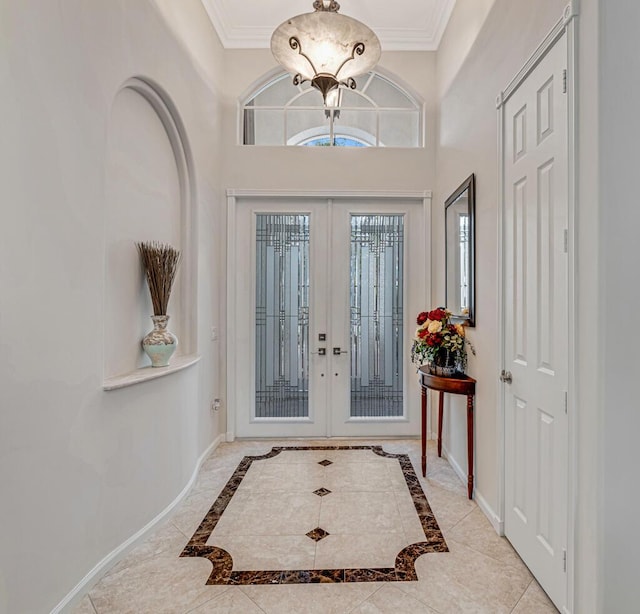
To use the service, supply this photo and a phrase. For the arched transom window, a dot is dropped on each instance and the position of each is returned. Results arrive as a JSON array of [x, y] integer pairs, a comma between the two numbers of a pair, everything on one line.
[[380, 113]]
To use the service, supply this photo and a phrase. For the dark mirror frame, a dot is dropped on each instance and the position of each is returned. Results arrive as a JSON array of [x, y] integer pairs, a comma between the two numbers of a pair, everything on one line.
[[451, 242]]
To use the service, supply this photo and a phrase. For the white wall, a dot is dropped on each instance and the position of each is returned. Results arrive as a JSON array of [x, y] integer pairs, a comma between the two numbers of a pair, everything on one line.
[[619, 297], [81, 470], [587, 406], [465, 24], [467, 143]]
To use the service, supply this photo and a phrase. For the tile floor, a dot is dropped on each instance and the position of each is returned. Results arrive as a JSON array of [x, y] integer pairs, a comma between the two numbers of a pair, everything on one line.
[[372, 526], [480, 573]]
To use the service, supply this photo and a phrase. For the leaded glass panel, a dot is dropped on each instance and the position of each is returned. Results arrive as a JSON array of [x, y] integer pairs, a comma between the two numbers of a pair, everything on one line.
[[282, 316], [376, 297]]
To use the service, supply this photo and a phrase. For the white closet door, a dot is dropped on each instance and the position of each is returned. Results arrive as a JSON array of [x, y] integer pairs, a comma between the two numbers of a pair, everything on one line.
[[536, 321]]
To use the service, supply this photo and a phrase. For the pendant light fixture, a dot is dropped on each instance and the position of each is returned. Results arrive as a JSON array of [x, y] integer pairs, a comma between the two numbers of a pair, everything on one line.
[[325, 48]]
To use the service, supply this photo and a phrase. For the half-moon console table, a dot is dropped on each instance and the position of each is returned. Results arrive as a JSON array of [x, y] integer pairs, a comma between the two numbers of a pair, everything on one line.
[[460, 384]]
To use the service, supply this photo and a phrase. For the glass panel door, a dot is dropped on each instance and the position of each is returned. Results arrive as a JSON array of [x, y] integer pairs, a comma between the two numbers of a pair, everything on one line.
[[277, 378], [372, 310], [323, 317]]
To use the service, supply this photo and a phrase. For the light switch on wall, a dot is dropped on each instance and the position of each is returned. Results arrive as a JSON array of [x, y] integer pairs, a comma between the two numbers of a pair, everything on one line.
[[214, 333]]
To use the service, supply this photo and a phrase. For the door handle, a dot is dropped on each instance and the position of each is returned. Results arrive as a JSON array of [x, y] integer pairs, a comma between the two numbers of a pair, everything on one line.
[[338, 351], [321, 352], [506, 377]]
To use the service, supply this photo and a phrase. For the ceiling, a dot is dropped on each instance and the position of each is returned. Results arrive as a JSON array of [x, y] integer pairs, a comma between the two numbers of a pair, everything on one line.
[[401, 25]]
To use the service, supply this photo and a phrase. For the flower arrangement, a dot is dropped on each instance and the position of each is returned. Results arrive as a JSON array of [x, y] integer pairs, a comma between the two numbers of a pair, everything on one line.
[[440, 343]]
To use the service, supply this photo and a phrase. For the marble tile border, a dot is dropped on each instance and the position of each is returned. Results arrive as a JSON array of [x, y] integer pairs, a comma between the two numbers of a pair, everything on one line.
[[404, 569]]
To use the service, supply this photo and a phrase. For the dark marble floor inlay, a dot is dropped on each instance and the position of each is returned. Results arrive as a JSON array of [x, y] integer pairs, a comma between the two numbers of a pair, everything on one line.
[[321, 492], [325, 463], [317, 534], [403, 570]]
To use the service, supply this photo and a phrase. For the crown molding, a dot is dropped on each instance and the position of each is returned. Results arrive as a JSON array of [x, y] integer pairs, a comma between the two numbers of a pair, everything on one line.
[[391, 39]]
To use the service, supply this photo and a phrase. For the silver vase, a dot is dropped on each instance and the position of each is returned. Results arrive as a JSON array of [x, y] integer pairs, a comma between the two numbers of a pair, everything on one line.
[[160, 344], [445, 364]]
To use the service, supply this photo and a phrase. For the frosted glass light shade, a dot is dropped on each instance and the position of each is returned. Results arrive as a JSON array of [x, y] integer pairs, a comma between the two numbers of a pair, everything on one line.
[[325, 48]]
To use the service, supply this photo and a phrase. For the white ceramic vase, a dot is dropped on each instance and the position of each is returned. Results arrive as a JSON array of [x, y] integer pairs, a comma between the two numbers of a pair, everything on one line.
[[160, 344]]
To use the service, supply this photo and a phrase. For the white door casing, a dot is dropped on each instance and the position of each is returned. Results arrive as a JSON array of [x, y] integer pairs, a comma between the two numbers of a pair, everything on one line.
[[329, 375], [535, 318]]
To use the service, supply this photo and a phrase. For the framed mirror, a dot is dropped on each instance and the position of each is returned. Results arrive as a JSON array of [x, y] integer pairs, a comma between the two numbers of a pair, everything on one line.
[[460, 252]]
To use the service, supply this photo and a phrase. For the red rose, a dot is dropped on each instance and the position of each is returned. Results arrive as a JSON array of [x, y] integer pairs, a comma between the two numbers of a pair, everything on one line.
[[423, 333], [437, 314], [423, 316], [434, 339]]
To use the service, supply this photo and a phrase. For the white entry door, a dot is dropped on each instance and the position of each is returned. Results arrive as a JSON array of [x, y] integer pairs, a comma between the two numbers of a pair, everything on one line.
[[326, 292], [536, 321]]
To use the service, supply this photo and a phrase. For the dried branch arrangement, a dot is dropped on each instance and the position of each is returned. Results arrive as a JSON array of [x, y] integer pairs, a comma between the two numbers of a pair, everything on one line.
[[160, 262]]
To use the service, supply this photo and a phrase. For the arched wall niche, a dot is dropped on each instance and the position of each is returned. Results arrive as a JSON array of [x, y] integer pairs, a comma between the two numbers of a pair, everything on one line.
[[149, 196]]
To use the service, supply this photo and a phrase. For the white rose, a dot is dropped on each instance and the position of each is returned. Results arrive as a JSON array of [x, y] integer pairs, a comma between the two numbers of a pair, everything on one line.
[[435, 326]]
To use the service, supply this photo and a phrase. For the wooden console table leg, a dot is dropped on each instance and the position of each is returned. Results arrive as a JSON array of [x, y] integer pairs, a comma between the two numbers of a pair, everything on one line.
[[470, 444], [424, 432], [440, 415]]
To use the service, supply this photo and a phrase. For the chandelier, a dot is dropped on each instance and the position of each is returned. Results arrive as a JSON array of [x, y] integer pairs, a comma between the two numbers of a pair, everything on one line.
[[325, 48]]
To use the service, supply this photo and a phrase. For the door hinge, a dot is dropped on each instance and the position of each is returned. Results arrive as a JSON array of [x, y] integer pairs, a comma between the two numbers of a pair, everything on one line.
[[566, 240], [564, 81], [566, 402], [564, 560]]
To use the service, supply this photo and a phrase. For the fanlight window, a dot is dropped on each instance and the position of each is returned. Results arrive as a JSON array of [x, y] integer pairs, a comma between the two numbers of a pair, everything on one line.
[[379, 113]]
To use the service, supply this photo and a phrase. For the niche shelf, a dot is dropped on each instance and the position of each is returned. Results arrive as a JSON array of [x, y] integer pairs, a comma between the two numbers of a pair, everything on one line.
[[145, 374]]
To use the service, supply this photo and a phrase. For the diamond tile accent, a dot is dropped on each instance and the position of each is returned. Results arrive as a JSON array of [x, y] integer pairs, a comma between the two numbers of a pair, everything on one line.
[[321, 492], [317, 534], [326, 462]]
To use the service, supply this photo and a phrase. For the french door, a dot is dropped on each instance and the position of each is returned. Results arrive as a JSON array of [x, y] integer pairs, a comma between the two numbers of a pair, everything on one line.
[[325, 294]]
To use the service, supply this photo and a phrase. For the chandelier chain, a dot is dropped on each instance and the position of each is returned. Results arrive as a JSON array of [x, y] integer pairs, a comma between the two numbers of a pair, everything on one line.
[[332, 6]]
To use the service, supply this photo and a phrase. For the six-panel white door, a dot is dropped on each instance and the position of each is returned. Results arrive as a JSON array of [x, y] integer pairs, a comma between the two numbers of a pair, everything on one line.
[[536, 321]]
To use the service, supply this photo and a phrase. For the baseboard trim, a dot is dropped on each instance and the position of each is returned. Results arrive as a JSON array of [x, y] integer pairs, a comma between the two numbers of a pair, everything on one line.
[[482, 503], [488, 511], [83, 587], [454, 464]]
